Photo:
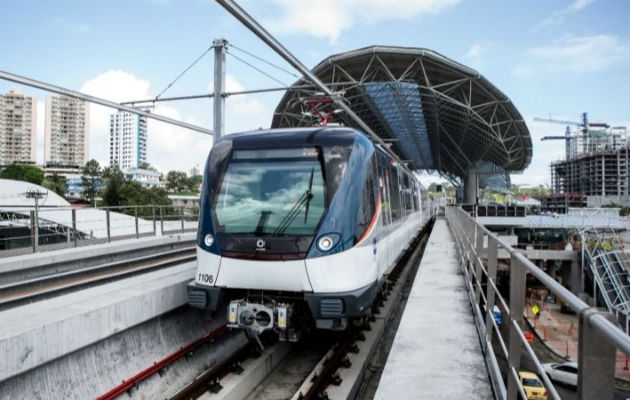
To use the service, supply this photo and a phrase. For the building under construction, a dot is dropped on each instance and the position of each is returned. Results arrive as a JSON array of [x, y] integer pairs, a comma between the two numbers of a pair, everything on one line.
[[596, 164]]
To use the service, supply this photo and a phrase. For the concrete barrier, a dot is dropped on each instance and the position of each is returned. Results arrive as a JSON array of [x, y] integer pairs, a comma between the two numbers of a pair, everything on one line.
[[30, 266], [37, 333]]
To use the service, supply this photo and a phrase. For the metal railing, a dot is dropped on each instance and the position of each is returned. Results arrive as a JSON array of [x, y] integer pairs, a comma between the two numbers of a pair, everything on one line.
[[608, 262], [26, 230], [599, 338]]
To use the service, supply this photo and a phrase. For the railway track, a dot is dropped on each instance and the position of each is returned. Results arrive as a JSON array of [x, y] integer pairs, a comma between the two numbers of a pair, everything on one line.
[[337, 375], [55, 284]]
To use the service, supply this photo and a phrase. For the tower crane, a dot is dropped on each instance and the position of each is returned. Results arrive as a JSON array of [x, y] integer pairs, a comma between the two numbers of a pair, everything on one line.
[[584, 126]]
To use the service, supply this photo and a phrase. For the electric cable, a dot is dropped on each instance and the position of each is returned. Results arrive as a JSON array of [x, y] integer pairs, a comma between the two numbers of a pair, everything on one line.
[[183, 72], [257, 69], [265, 61]]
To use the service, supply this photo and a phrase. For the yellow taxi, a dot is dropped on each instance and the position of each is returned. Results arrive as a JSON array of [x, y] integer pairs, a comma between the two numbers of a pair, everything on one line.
[[533, 386]]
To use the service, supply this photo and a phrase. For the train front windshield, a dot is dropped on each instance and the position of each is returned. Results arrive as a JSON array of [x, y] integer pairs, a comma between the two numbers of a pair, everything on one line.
[[271, 192]]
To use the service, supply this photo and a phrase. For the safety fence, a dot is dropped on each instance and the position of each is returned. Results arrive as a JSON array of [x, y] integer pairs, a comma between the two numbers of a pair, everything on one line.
[[28, 230], [599, 337]]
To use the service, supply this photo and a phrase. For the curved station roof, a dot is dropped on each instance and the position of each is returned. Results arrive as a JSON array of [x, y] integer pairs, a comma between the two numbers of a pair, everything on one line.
[[436, 113]]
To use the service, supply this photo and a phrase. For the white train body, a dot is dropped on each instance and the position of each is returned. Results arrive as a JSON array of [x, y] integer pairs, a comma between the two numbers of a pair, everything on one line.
[[300, 226]]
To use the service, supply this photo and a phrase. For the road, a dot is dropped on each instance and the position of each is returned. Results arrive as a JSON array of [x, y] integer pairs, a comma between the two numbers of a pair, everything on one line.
[[545, 355]]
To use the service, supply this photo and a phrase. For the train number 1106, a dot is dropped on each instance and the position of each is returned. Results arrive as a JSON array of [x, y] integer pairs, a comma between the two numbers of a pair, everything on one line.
[[206, 278]]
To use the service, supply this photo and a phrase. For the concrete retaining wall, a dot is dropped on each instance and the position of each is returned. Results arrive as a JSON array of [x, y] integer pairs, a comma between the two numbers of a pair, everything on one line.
[[37, 333]]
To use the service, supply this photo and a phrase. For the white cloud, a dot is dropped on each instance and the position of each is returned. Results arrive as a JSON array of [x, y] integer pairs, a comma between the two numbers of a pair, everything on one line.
[[476, 53], [559, 17], [579, 4], [168, 147], [576, 54], [328, 18]]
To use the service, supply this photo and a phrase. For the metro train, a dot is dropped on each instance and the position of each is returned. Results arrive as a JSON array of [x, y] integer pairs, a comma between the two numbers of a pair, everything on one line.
[[299, 228]]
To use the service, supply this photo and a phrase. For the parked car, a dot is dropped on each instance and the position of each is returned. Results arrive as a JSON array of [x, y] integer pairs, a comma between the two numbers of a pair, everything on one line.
[[496, 314], [565, 373], [533, 386]]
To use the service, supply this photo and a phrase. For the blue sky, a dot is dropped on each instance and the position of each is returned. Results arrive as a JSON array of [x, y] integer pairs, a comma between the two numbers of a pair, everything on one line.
[[558, 57]]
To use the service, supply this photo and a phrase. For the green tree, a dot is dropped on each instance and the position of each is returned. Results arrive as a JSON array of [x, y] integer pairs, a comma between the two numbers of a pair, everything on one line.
[[56, 183], [194, 182], [23, 172], [147, 166], [114, 180], [91, 180], [176, 181]]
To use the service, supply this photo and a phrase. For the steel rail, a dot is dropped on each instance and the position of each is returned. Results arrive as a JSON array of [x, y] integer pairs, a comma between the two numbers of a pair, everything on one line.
[[47, 286], [128, 384], [210, 378], [239, 13], [97, 100]]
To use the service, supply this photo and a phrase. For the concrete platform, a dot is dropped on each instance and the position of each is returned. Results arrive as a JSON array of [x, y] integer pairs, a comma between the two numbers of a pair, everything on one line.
[[37, 333], [436, 352]]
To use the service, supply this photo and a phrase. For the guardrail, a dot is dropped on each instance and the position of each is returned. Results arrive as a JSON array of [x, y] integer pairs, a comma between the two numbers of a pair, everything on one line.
[[59, 227], [599, 338]]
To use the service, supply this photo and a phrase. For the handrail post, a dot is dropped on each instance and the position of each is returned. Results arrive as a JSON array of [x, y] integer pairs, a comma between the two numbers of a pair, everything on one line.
[[34, 231], [478, 261], [109, 234], [74, 226], [136, 217], [517, 303], [153, 215], [596, 358], [182, 217], [162, 220], [492, 276]]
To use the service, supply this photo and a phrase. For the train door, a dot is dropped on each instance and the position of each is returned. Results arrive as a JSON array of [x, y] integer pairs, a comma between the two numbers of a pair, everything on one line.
[[384, 245]]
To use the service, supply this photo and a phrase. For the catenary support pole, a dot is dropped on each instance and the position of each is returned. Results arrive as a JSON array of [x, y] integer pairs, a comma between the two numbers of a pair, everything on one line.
[[220, 46]]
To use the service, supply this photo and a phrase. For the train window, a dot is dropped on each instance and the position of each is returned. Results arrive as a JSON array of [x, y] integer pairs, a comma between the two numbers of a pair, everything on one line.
[[271, 196], [394, 192], [381, 172], [367, 208]]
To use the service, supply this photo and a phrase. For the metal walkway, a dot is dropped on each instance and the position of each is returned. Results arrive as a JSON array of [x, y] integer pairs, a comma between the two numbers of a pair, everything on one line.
[[436, 353]]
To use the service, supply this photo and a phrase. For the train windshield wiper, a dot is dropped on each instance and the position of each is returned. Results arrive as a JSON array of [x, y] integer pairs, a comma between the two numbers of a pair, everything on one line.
[[304, 199], [310, 195]]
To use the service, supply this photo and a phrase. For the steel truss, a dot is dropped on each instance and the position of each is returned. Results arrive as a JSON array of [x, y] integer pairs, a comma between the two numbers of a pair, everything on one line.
[[437, 114], [607, 258]]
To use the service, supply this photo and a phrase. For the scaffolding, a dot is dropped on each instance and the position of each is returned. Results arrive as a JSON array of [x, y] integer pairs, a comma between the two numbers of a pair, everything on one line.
[[599, 173]]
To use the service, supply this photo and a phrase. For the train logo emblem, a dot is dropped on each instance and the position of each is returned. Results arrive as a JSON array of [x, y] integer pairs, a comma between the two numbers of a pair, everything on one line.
[[260, 243]]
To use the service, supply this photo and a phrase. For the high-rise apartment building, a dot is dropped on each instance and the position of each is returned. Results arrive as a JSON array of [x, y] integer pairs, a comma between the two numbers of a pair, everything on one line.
[[67, 131], [18, 137], [127, 140]]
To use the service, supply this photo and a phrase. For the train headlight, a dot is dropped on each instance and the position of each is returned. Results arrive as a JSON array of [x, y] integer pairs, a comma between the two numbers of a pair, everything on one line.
[[325, 243], [208, 240]]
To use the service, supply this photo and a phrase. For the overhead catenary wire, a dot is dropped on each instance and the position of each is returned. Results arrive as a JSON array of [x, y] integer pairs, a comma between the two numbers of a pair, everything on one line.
[[184, 71], [265, 61], [257, 69]]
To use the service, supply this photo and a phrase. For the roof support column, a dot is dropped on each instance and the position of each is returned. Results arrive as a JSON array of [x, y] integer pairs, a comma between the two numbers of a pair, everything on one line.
[[471, 186]]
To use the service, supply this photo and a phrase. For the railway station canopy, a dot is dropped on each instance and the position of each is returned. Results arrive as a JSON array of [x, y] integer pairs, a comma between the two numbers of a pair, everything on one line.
[[436, 114]]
